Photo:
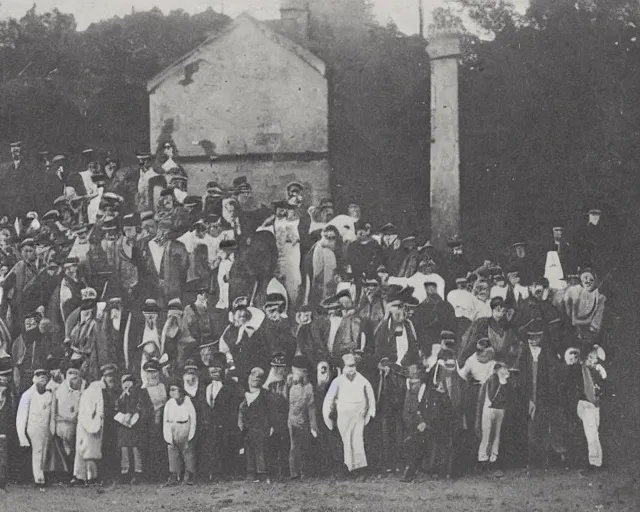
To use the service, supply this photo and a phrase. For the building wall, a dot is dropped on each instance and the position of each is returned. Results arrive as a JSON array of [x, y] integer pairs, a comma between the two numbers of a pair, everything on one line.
[[243, 93], [268, 178]]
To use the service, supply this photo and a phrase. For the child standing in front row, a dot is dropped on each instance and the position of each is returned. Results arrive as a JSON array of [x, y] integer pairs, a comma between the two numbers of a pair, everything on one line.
[[179, 429], [492, 403]]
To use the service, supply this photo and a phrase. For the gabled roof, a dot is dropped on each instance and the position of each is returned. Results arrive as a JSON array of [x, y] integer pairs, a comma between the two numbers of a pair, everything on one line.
[[244, 18]]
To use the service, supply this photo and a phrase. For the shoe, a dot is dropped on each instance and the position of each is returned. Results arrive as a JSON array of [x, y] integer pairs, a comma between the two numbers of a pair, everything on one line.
[[295, 477], [407, 477], [134, 480], [171, 481], [188, 478], [75, 482]]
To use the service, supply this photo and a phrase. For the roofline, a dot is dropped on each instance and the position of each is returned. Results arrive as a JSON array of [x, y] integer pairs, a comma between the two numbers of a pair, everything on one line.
[[285, 42]]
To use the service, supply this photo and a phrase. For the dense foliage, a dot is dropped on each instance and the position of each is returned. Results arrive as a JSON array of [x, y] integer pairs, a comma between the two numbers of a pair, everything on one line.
[[549, 102]]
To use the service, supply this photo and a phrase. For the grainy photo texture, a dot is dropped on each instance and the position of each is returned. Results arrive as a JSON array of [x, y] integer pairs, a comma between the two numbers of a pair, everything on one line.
[[319, 255]]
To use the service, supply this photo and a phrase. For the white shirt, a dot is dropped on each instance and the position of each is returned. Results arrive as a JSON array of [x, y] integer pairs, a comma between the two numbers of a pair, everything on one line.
[[213, 390], [462, 302], [250, 396], [402, 345], [157, 252], [475, 369], [499, 291], [335, 322], [535, 353]]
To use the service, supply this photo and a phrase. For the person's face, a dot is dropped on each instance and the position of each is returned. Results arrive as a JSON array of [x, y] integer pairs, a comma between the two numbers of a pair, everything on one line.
[[534, 340], [594, 218], [329, 239], [281, 213], [349, 370], [127, 385], [215, 228], [537, 290], [41, 380], [457, 251], [180, 185], [500, 282], [354, 211], [241, 317], [153, 378], [295, 197], [397, 312], [150, 226], [245, 197], [4, 270], [190, 378], [514, 279], [110, 380], [431, 289], [346, 303], [168, 150], [273, 312], [215, 373], [557, 234], [383, 276], [413, 371], [504, 373], [74, 380], [111, 236], [370, 290], [303, 317], [174, 392], [389, 239], [71, 271], [29, 253], [521, 251], [166, 202], [129, 232], [326, 214], [409, 311], [202, 298], [82, 237], [53, 269], [150, 319], [410, 245], [4, 236], [255, 379], [499, 312], [588, 281], [42, 249], [30, 324], [16, 153]]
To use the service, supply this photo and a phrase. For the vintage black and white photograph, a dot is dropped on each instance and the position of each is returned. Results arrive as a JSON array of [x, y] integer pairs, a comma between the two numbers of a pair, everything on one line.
[[319, 255]]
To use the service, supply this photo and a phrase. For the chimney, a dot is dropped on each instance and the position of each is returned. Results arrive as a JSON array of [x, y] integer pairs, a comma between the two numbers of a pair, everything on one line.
[[295, 18]]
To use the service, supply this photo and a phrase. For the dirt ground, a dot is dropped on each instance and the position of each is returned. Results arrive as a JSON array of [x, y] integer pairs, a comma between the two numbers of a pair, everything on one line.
[[552, 491]]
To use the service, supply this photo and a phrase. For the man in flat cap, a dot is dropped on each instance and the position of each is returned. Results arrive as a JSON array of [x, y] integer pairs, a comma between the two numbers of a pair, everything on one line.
[[33, 423], [22, 194], [96, 426], [19, 281], [164, 265], [350, 404]]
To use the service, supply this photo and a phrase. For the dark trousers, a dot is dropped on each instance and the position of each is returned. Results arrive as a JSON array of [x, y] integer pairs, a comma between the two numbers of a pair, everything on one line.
[[278, 449], [254, 454], [300, 440], [415, 450], [391, 441]]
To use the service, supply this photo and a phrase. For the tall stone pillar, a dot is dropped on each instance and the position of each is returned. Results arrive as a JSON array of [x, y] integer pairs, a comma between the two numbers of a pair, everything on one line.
[[444, 51]]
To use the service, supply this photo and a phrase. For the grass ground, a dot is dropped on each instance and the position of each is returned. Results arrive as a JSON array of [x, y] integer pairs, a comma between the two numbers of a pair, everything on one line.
[[552, 491]]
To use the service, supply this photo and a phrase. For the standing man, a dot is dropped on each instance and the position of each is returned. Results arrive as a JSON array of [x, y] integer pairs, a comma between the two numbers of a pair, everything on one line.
[[32, 423], [19, 282], [21, 196], [559, 262], [350, 403], [320, 265]]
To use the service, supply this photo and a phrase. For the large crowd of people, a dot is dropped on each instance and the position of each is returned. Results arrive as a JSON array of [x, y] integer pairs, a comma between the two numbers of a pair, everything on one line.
[[147, 334]]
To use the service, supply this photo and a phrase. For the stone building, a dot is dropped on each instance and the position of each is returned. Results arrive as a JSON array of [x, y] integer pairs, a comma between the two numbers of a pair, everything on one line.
[[249, 101]]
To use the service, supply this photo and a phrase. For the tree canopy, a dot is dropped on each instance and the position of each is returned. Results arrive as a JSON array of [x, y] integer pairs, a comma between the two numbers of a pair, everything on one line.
[[549, 102]]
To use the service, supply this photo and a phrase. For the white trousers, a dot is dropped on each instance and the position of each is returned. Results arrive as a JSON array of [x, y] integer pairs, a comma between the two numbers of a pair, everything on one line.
[[39, 437], [589, 414], [491, 427]]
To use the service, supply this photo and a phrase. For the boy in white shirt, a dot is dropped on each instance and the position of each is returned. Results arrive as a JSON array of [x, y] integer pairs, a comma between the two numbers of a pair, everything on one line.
[[179, 428]]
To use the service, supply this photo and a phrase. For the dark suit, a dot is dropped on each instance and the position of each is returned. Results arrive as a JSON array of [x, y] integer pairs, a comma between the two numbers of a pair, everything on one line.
[[169, 282]]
